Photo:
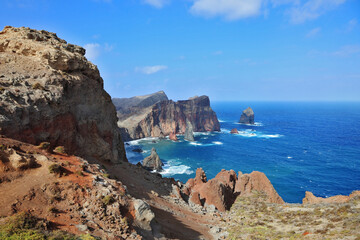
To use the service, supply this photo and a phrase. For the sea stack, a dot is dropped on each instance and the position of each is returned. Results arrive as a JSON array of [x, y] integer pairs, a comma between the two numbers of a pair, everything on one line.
[[153, 161], [247, 116], [189, 134]]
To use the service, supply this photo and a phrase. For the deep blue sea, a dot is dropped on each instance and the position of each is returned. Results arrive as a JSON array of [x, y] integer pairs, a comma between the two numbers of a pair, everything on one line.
[[300, 146]]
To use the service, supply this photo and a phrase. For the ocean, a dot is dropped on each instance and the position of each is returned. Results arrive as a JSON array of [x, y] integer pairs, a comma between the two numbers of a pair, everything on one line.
[[300, 146]]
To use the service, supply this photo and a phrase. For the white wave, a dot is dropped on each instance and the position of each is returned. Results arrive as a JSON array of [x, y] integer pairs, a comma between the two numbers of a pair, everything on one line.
[[201, 133], [217, 143], [195, 143], [130, 154], [289, 157], [138, 141], [256, 124], [172, 170], [221, 120], [224, 130], [271, 136]]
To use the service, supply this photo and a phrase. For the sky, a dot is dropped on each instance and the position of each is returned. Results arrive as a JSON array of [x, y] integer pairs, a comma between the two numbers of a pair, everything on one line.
[[230, 50]]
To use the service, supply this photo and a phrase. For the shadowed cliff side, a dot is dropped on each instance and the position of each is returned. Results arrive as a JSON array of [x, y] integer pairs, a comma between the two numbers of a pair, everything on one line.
[[50, 92]]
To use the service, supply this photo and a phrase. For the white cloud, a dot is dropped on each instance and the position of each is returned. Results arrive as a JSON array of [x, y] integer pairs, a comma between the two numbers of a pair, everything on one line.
[[150, 69], [351, 25], [92, 51], [229, 9], [313, 32], [347, 50], [156, 3], [218, 53], [311, 9]]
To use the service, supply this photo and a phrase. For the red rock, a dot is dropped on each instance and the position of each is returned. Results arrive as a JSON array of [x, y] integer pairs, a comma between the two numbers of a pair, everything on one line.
[[234, 131], [195, 198], [257, 181], [311, 199], [200, 177], [228, 178], [172, 136]]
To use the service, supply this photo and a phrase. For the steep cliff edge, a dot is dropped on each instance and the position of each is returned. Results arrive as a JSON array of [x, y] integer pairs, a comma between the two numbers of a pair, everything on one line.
[[166, 117], [50, 92]]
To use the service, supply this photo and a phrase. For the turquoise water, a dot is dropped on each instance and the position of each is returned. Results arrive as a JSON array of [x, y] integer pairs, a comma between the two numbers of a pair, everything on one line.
[[299, 146]]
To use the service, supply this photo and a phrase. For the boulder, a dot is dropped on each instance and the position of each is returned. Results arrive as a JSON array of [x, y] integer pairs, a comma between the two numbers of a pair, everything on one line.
[[257, 181], [234, 131], [189, 134], [311, 199], [247, 116], [153, 161], [143, 214]]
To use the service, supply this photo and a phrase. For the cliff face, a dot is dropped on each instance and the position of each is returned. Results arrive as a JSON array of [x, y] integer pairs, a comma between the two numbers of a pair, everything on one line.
[[50, 92], [168, 117]]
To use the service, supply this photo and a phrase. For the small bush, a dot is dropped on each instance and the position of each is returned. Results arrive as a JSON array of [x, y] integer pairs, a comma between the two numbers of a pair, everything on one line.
[[2, 89], [44, 145], [80, 173], [56, 169], [107, 200], [2, 147], [52, 209], [106, 175], [37, 86], [60, 149]]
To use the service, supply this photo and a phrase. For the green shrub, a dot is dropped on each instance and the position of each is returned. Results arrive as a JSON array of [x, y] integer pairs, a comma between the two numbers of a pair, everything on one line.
[[44, 145], [80, 173], [2, 89], [37, 86], [107, 200], [106, 175], [52, 209], [56, 169], [60, 149]]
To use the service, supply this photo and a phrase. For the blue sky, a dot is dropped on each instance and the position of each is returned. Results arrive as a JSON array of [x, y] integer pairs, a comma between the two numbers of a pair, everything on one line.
[[273, 50]]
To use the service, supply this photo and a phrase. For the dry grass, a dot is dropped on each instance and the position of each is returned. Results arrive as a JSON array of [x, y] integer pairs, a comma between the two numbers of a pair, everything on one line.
[[252, 218]]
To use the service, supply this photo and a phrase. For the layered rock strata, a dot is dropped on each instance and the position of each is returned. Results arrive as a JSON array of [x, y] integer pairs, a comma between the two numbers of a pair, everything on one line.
[[167, 117], [50, 92]]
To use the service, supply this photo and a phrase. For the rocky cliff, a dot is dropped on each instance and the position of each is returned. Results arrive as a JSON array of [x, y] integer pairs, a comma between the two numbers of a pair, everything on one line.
[[166, 117], [50, 92]]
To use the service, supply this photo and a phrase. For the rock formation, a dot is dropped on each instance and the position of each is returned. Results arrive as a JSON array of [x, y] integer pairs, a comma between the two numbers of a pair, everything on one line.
[[172, 136], [189, 134], [223, 190], [166, 117], [234, 131], [49, 92], [153, 161], [257, 181], [247, 116], [311, 199]]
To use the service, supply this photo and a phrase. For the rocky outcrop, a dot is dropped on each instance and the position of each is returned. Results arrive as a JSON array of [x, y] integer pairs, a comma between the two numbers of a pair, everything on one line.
[[246, 184], [234, 131], [189, 134], [51, 93], [153, 161], [166, 117], [223, 190], [172, 136], [311, 199], [247, 116]]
